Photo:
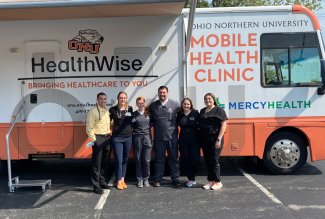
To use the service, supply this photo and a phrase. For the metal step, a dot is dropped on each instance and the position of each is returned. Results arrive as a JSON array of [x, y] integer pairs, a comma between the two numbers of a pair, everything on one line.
[[30, 183]]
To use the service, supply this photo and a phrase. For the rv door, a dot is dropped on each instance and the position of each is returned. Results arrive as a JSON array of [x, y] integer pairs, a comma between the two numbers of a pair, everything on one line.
[[43, 108]]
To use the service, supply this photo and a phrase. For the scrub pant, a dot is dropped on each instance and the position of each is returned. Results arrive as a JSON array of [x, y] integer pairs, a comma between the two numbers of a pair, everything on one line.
[[142, 154], [190, 156], [122, 146], [100, 160], [172, 151], [211, 156]]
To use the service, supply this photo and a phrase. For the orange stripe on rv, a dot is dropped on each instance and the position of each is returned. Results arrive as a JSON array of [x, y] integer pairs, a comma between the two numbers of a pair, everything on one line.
[[312, 16], [243, 137]]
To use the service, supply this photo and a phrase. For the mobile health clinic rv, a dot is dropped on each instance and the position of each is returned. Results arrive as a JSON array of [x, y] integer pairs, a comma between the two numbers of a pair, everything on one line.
[[266, 67], [263, 64]]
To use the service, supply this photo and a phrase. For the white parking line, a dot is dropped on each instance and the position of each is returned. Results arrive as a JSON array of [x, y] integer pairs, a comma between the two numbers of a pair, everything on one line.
[[102, 200], [258, 185], [300, 207], [100, 203]]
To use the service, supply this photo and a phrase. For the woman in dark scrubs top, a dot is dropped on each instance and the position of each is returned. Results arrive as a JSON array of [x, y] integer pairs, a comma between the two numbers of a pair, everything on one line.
[[212, 126], [121, 114], [187, 120]]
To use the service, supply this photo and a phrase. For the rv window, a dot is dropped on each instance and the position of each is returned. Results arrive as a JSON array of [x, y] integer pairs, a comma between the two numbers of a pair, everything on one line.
[[290, 60], [275, 67], [305, 66]]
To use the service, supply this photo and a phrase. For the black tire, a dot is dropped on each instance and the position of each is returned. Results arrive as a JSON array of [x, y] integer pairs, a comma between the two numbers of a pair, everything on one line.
[[285, 152]]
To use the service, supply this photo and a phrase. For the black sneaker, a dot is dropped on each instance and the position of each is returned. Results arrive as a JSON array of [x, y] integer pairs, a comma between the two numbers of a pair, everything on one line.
[[98, 190], [176, 183], [105, 186], [156, 184]]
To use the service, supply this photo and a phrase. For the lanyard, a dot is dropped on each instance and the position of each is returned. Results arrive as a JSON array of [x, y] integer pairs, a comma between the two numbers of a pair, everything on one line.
[[98, 112]]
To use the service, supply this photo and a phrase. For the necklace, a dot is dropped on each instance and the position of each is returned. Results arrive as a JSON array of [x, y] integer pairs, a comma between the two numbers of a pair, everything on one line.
[[119, 112], [99, 112], [186, 113], [208, 110]]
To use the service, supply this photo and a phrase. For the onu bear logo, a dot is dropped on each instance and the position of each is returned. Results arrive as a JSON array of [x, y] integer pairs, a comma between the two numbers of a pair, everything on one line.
[[87, 40]]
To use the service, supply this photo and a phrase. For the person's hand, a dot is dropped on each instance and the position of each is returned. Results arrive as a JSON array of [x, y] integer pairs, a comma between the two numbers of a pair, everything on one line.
[[218, 144], [90, 144]]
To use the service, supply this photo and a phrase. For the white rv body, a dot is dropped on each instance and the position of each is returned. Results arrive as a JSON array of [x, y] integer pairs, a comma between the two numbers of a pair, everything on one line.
[[57, 84], [263, 64], [271, 89]]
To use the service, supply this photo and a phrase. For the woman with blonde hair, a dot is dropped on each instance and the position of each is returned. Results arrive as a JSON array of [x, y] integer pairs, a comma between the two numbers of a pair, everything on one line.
[[142, 144], [121, 114]]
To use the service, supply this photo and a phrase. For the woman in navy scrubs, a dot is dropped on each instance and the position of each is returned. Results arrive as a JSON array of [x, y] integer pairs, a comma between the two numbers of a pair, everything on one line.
[[187, 120], [142, 145]]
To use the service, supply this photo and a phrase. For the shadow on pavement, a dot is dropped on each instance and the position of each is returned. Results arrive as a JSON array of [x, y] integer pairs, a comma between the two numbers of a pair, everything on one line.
[[74, 176], [256, 166]]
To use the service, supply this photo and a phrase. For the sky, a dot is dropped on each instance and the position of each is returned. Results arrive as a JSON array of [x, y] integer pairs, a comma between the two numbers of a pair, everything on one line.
[[322, 11], [321, 17], [320, 14]]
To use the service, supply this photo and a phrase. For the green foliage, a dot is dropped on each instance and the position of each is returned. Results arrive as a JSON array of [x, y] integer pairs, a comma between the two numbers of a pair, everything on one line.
[[311, 4], [237, 3], [200, 4]]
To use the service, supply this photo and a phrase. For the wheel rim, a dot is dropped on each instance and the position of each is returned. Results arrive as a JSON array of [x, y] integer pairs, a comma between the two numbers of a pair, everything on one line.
[[285, 153]]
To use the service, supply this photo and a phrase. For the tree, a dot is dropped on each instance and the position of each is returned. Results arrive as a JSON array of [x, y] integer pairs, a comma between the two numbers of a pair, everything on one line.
[[237, 3], [311, 4], [200, 4]]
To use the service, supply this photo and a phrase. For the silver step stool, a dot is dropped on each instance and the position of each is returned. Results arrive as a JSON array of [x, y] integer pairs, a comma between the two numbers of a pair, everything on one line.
[[29, 183]]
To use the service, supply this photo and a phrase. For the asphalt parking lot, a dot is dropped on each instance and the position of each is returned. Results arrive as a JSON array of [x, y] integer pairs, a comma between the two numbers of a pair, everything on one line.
[[249, 191]]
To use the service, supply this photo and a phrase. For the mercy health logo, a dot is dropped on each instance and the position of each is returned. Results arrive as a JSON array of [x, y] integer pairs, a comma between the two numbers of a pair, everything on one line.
[[219, 103], [255, 105], [86, 41]]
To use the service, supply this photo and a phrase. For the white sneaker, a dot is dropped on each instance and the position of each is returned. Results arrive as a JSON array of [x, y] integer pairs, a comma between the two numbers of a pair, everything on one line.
[[190, 183], [140, 183], [207, 186], [146, 183], [216, 186]]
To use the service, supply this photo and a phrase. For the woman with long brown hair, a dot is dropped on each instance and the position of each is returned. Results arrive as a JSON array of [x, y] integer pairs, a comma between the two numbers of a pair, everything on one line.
[[187, 120], [212, 126]]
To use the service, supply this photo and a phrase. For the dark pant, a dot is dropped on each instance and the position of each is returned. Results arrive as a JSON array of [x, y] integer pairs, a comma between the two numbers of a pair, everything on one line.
[[172, 151], [122, 146], [100, 160], [211, 156], [142, 154], [190, 156]]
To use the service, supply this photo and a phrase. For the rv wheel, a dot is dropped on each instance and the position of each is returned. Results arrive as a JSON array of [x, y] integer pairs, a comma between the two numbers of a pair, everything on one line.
[[284, 153]]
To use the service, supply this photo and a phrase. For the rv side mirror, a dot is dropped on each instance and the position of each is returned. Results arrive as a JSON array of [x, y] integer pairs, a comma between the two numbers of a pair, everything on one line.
[[321, 89]]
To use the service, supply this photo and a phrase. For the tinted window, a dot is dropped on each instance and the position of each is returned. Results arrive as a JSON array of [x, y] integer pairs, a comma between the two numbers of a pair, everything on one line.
[[290, 60]]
